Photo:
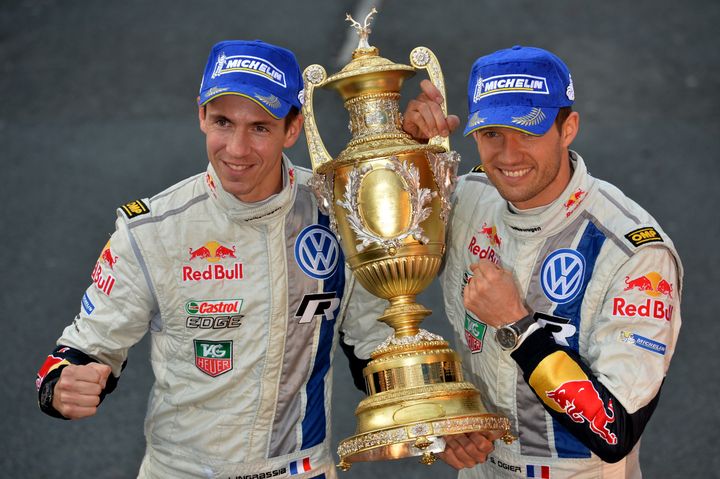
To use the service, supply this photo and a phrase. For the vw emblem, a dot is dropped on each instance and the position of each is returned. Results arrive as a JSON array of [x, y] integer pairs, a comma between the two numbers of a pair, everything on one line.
[[562, 275], [317, 252]]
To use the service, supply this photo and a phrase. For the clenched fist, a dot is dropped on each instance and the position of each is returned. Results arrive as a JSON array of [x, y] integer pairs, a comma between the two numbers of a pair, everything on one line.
[[77, 392], [492, 295]]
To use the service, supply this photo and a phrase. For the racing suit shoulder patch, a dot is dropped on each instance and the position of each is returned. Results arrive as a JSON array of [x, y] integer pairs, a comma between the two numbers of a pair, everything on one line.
[[641, 236], [135, 208]]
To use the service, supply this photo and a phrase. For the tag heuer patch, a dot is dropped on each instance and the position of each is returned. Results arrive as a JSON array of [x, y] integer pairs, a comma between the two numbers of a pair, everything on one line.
[[474, 333], [643, 235], [135, 208], [213, 357]]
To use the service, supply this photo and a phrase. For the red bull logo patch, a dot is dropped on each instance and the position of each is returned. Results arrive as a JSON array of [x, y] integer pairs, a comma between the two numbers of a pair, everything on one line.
[[291, 176], [212, 252], [107, 257], [486, 235], [211, 184], [213, 357], [653, 285], [51, 363], [582, 403], [574, 201], [101, 275]]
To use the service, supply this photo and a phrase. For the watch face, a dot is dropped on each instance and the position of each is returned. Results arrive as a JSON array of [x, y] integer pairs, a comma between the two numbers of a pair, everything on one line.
[[506, 338]]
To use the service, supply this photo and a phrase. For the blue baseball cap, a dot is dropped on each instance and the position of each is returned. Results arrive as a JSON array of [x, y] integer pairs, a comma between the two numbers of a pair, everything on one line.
[[266, 74], [520, 87]]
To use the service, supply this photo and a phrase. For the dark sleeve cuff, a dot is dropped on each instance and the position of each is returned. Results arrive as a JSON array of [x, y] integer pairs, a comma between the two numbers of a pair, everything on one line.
[[533, 350]]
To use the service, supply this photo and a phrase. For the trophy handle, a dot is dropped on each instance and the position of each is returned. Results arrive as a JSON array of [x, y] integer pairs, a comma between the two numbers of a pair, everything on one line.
[[422, 57], [314, 76]]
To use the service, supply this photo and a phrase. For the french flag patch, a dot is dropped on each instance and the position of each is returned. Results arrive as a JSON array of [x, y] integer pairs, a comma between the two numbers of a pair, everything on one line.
[[300, 466], [542, 472]]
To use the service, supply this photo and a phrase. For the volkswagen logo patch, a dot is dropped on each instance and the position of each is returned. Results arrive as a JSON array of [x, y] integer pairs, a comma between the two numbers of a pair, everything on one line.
[[317, 252], [562, 275]]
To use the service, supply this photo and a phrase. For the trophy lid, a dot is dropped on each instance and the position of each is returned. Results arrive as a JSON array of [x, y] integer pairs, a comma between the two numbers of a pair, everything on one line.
[[367, 63]]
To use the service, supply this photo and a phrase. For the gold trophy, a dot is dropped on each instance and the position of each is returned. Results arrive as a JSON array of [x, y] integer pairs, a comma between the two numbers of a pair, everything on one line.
[[388, 199]]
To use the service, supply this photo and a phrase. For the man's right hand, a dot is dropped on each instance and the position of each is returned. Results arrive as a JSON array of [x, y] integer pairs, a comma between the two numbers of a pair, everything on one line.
[[424, 118], [77, 392], [466, 450]]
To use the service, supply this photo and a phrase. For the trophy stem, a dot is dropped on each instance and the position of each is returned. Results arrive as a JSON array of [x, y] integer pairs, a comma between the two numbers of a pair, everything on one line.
[[404, 315]]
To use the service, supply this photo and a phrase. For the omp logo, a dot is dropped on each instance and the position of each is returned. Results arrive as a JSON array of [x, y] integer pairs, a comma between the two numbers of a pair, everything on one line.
[[562, 275], [317, 304], [643, 235], [317, 252], [249, 64], [512, 83]]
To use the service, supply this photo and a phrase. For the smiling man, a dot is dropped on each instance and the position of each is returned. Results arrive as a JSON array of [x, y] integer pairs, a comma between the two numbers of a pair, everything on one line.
[[242, 286], [564, 293]]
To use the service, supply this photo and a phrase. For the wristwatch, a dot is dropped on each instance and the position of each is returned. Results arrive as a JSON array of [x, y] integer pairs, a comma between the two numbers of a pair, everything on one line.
[[508, 336]]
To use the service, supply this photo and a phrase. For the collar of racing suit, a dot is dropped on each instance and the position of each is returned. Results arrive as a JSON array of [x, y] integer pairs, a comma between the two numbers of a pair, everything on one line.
[[266, 210], [556, 216]]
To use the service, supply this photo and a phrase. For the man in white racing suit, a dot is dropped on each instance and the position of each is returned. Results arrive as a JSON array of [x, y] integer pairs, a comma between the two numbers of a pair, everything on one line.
[[240, 282], [564, 294]]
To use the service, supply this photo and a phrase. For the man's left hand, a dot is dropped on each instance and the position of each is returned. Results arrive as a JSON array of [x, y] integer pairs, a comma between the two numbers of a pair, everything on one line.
[[492, 295]]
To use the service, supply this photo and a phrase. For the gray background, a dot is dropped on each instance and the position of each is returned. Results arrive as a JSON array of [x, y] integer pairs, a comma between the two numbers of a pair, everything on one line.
[[98, 109]]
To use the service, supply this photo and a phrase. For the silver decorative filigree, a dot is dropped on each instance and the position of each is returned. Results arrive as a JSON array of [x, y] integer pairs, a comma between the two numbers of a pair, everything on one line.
[[315, 74], [322, 186], [419, 198], [421, 56], [444, 167], [420, 337]]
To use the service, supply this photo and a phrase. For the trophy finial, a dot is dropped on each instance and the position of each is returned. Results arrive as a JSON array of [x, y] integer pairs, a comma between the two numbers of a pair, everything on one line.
[[362, 30]]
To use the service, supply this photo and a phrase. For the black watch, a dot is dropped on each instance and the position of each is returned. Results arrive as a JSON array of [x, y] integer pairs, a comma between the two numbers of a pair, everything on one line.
[[508, 336]]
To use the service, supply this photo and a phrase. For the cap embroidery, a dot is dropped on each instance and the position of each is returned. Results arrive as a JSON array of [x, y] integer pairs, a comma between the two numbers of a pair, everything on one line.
[[535, 117], [570, 91], [214, 91], [476, 120], [271, 101]]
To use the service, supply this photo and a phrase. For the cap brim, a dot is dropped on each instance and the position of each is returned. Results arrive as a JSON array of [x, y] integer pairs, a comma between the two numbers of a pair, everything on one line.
[[531, 120], [275, 106]]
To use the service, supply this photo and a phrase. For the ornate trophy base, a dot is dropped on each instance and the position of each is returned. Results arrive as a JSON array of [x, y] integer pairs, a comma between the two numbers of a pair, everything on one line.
[[417, 395]]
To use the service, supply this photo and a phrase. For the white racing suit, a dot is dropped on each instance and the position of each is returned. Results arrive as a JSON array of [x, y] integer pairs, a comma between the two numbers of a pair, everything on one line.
[[580, 389], [243, 303]]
